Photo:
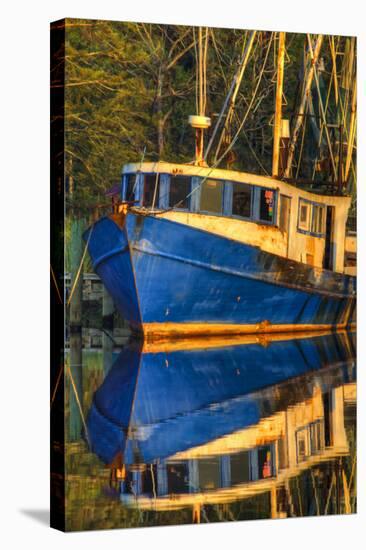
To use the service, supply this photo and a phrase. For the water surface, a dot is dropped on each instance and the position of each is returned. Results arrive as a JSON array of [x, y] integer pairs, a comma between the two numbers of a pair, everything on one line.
[[212, 430]]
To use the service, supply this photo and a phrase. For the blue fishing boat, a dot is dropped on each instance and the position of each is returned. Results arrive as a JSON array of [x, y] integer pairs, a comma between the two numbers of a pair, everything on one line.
[[192, 250]]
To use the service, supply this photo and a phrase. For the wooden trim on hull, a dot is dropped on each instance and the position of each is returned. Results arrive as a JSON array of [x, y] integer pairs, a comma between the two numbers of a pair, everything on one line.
[[165, 331]]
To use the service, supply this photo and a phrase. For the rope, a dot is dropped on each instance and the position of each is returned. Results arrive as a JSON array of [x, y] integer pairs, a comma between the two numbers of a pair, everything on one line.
[[56, 285], [68, 370], [57, 384], [80, 267]]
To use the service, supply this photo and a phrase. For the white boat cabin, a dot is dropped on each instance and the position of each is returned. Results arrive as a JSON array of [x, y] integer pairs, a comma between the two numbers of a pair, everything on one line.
[[257, 210]]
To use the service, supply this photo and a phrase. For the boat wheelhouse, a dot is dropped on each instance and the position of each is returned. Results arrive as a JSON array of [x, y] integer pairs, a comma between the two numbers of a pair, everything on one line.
[[256, 210]]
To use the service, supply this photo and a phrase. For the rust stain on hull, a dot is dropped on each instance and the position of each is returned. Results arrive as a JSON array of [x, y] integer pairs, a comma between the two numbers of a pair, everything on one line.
[[153, 332]]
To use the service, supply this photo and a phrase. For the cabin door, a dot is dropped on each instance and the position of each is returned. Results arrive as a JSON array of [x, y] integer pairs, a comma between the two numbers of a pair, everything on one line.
[[328, 262]]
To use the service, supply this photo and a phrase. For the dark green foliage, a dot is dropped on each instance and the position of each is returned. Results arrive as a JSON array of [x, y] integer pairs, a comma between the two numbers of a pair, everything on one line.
[[131, 86]]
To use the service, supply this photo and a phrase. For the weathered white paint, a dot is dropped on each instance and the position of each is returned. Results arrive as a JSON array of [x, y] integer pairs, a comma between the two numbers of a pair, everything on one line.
[[297, 246], [351, 247]]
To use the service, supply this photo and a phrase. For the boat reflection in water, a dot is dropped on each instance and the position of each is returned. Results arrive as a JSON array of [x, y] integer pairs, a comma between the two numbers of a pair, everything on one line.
[[215, 422]]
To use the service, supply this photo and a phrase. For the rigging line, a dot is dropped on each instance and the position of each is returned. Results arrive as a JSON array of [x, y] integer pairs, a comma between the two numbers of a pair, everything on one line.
[[315, 493], [329, 494], [306, 87], [322, 107], [109, 336], [346, 131], [57, 384], [218, 55], [239, 74], [55, 283], [80, 266], [321, 128], [231, 145], [254, 153], [156, 186], [302, 143], [231, 108], [234, 140], [68, 370]]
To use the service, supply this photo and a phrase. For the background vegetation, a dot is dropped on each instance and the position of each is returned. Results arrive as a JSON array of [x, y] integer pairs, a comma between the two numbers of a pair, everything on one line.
[[131, 86]]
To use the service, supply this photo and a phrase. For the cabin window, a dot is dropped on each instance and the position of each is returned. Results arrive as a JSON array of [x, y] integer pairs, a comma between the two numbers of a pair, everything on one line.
[[304, 215], [242, 200], [316, 437], [302, 444], [151, 190], [209, 473], [180, 188], [178, 478], [240, 468], [149, 480], [266, 205], [211, 196], [130, 187], [265, 462], [318, 219]]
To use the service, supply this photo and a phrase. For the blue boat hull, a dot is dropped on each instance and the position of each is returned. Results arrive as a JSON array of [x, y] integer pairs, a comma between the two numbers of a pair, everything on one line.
[[168, 278]]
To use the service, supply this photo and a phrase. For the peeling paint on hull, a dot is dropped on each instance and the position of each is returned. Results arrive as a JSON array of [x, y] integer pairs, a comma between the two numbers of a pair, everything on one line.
[[169, 278]]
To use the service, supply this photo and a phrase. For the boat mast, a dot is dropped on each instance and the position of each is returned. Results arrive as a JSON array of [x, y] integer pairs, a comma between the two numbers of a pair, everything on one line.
[[278, 111], [200, 122]]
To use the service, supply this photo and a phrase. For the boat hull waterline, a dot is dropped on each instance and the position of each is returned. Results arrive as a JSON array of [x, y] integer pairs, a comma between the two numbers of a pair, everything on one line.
[[168, 279]]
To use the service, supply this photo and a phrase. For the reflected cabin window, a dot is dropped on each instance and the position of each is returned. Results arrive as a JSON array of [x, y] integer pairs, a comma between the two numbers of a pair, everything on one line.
[[266, 205], [265, 462], [130, 187], [304, 215], [180, 188], [209, 473], [240, 468], [318, 219], [178, 478], [151, 190], [242, 200], [211, 196]]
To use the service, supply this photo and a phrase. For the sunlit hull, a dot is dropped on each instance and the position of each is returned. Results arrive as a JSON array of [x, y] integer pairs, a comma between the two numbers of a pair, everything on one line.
[[169, 279]]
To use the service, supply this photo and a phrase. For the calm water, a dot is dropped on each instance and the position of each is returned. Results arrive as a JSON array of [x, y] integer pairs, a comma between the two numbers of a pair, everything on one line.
[[207, 431]]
